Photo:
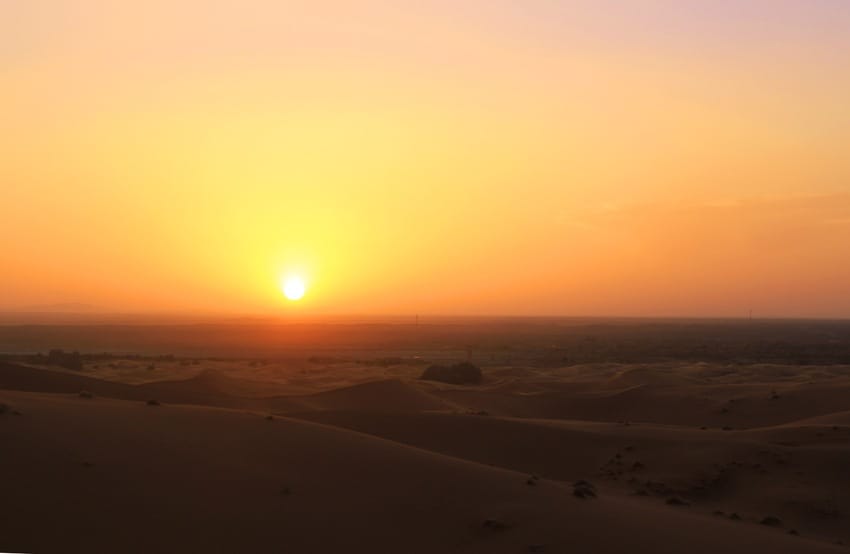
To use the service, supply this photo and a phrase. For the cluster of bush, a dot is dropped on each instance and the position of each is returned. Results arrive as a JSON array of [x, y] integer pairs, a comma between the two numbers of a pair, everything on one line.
[[463, 373], [68, 360], [76, 361]]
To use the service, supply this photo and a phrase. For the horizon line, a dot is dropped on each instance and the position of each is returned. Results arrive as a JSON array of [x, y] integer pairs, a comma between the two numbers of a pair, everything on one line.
[[415, 318]]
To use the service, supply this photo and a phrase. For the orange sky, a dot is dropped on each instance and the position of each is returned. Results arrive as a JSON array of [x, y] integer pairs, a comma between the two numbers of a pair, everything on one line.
[[478, 157]]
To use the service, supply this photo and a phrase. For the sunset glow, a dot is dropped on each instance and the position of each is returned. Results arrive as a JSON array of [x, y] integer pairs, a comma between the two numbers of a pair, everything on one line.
[[589, 158]]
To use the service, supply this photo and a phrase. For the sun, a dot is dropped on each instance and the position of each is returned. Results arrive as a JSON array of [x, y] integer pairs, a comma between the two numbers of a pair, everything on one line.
[[293, 287]]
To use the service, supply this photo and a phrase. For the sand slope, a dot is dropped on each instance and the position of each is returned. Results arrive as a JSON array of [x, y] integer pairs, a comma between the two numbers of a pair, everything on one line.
[[98, 475], [398, 464], [391, 395], [790, 472], [196, 390]]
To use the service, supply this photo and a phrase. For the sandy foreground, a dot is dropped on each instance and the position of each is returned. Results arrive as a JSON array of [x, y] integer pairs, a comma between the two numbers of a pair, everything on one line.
[[237, 458]]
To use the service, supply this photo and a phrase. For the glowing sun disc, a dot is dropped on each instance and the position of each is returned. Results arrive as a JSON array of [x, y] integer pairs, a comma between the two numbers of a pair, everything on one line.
[[294, 288]]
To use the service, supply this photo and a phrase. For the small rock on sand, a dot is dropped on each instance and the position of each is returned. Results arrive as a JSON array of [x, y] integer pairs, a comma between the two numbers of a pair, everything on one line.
[[584, 489], [771, 521], [494, 524]]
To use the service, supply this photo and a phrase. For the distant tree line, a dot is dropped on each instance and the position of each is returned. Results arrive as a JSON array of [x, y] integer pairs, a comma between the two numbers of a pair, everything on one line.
[[461, 373], [68, 360], [76, 361]]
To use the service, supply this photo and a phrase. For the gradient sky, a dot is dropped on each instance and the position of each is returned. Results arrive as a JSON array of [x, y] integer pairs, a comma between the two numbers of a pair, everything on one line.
[[653, 157]]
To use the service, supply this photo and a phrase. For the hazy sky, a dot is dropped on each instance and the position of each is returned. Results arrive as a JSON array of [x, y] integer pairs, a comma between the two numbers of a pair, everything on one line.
[[590, 157]]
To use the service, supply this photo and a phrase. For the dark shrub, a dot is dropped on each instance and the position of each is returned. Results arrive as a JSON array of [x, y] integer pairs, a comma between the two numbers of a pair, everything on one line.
[[463, 373], [68, 360], [584, 489], [494, 524], [771, 521]]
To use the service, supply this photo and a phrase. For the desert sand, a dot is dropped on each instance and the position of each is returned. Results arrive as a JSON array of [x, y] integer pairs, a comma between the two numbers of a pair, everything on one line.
[[330, 455]]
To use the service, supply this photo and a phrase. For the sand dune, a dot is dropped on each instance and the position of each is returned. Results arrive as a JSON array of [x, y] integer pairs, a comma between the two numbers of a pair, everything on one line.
[[659, 377], [218, 382], [213, 388], [191, 391], [390, 395], [712, 470], [662, 400], [702, 463], [106, 475], [24, 378]]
